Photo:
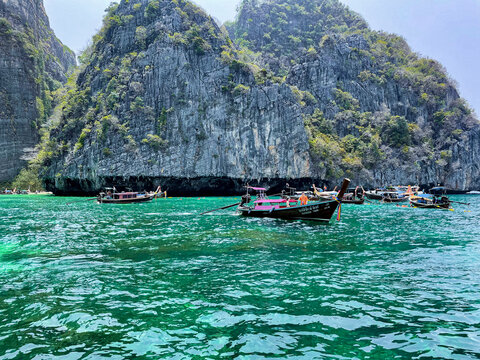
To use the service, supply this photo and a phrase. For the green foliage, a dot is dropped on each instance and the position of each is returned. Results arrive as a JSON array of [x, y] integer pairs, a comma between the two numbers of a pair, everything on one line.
[[5, 26], [396, 132], [345, 100], [152, 8], [28, 179], [320, 123], [194, 36], [81, 139], [303, 97], [137, 104], [141, 36], [240, 89], [155, 142], [290, 26]]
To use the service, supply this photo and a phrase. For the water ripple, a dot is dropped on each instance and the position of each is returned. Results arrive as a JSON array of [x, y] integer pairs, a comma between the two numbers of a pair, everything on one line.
[[157, 280]]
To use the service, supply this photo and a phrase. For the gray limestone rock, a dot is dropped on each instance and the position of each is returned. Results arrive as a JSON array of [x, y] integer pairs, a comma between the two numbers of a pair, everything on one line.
[[166, 99], [32, 62]]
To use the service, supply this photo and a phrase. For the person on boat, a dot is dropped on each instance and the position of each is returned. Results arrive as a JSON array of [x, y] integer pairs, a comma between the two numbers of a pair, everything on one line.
[[303, 199]]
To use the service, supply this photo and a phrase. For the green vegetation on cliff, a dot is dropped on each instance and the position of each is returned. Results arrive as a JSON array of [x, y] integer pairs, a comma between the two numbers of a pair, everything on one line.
[[374, 99], [306, 89], [34, 65], [34, 48], [106, 65]]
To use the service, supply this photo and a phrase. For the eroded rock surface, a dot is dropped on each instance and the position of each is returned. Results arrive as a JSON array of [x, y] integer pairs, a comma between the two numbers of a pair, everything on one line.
[[33, 62], [167, 98]]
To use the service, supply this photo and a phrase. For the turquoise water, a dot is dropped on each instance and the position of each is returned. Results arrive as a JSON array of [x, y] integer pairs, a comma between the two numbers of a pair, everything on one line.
[[154, 281]]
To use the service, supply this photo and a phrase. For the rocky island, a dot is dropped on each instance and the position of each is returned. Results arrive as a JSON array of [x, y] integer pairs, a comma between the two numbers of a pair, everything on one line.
[[290, 91]]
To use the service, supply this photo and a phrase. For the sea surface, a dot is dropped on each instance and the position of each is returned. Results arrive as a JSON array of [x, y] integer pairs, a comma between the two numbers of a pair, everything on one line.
[[158, 281]]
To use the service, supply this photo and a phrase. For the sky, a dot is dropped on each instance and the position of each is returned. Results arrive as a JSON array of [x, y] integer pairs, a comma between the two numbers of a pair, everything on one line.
[[444, 30]]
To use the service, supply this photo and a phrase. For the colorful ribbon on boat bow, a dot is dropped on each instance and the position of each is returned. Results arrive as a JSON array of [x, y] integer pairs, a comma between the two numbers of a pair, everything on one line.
[[339, 214]]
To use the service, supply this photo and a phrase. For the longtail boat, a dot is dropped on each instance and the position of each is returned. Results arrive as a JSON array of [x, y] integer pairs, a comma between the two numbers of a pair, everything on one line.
[[354, 196], [315, 195], [442, 190], [394, 198], [290, 209], [430, 202], [111, 196], [375, 194], [393, 194]]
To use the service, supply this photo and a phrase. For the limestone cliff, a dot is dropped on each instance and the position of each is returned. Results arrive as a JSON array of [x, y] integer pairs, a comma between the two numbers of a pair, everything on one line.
[[375, 111], [165, 96], [33, 63]]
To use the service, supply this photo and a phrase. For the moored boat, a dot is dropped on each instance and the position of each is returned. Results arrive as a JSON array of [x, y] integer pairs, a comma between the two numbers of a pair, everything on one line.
[[375, 194], [430, 202], [354, 196], [442, 190], [394, 198], [393, 194], [111, 196], [291, 209]]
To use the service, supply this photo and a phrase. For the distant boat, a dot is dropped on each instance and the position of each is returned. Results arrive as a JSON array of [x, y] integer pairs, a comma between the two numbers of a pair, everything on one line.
[[430, 202], [392, 194], [290, 209], [473, 193], [375, 194], [442, 190], [354, 196], [394, 198], [111, 196]]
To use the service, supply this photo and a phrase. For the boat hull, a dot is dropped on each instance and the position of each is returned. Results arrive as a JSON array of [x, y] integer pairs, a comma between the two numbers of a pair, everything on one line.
[[355, 202], [318, 211], [141, 199], [373, 196], [419, 205], [393, 200]]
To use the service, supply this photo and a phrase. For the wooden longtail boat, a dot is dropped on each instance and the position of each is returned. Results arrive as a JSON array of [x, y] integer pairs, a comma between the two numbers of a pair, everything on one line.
[[354, 196], [290, 209], [430, 202], [355, 201], [394, 198], [392, 194], [114, 197], [442, 190], [375, 194]]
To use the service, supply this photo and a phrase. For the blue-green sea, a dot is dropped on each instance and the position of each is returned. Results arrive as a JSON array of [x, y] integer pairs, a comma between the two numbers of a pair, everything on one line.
[[158, 281]]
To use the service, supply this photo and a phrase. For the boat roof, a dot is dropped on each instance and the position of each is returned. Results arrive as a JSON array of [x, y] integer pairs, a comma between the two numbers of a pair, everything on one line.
[[273, 201], [257, 188], [422, 196]]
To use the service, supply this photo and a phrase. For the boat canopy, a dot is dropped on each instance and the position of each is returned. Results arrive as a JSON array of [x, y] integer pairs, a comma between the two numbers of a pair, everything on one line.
[[257, 188], [275, 201]]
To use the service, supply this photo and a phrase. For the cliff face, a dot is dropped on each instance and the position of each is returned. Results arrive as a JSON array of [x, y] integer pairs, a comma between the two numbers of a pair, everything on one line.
[[33, 63], [375, 111], [163, 97], [308, 92]]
